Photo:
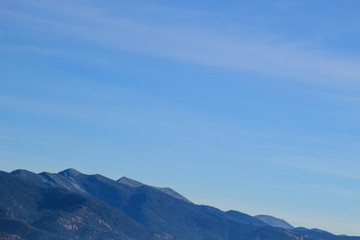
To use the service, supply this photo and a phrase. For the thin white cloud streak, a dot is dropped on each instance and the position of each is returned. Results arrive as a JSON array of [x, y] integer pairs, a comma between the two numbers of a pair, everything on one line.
[[92, 113], [60, 53], [27, 141], [348, 169], [194, 45], [311, 188], [351, 98]]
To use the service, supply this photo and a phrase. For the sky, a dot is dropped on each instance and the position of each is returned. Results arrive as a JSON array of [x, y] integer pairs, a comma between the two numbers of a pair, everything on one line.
[[245, 105]]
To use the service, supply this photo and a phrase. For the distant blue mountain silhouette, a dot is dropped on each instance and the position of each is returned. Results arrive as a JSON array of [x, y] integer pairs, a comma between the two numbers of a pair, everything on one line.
[[70, 204]]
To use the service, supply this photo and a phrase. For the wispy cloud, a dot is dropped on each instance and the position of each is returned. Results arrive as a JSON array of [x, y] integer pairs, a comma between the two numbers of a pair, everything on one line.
[[60, 53], [28, 141], [311, 188], [287, 5], [334, 167], [194, 44]]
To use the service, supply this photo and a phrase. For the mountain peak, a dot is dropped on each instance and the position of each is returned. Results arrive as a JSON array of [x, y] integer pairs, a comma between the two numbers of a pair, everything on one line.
[[130, 182], [70, 172], [21, 172], [274, 222], [133, 183]]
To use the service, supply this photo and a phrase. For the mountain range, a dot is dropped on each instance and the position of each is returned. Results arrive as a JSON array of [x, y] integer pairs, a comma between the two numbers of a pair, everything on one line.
[[72, 205]]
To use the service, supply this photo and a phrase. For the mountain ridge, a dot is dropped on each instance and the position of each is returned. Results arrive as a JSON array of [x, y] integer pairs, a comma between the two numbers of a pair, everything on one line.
[[274, 222], [133, 183], [57, 213], [160, 212]]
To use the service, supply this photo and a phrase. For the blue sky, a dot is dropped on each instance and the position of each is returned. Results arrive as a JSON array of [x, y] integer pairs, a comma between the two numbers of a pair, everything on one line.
[[245, 105]]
